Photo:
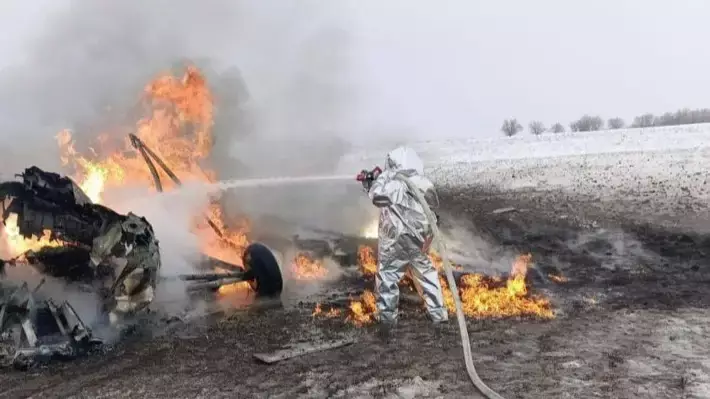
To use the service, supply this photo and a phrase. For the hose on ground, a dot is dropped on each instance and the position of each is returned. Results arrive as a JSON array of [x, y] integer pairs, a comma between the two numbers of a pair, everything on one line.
[[439, 245]]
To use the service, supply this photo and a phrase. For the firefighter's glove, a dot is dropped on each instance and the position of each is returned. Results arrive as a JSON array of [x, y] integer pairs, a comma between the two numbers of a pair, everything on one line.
[[367, 180]]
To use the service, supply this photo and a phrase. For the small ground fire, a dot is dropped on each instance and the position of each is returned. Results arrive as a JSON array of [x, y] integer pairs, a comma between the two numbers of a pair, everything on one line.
[[482, 296], [305, 267]]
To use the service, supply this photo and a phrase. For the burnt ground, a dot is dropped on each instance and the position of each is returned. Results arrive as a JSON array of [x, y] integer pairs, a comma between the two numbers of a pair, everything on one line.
[[631, 323]]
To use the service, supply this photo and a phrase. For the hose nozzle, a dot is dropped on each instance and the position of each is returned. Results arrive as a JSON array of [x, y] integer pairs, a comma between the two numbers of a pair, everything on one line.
[[366, 177]]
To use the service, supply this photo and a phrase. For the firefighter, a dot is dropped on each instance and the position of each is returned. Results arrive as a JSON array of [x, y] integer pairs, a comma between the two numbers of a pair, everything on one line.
[[404, 235]]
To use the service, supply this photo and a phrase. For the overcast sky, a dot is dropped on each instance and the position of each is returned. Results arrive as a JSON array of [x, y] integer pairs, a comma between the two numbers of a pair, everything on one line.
[[432, 68]]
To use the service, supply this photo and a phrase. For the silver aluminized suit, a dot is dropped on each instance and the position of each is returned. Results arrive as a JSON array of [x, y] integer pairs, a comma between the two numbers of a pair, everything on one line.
[[404, 235]]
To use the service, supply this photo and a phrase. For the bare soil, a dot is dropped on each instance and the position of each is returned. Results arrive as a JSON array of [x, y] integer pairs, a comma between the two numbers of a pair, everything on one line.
[[631, 322]]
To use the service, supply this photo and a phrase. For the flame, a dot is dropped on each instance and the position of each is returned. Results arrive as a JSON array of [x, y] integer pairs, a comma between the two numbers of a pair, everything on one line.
[[304, 267], [91, 176], [233, 242], [362, 311], [482, 296], [17, 244], [330, 314], [366, 260], [241, 287], [177, 127], [438, 261]]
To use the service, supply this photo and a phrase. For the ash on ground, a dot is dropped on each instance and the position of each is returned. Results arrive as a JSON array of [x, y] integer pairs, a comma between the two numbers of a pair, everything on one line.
[[630, 322]]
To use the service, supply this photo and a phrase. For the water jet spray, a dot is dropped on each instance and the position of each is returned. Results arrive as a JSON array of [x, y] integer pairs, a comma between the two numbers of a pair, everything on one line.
[[278, 181]]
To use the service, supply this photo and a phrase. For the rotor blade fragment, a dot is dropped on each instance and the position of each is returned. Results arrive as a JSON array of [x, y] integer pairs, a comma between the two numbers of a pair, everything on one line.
[[300, 350]]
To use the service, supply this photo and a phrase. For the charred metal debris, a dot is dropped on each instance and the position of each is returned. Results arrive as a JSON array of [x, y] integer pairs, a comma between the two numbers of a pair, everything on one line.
[[34, 331], [116, 255]]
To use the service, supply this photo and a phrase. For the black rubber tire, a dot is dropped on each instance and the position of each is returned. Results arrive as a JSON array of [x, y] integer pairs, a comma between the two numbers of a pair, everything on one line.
[[260, 262]]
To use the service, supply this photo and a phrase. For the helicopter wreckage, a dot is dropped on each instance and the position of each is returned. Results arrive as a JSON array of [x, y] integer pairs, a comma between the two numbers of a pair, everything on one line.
[[116, 257]]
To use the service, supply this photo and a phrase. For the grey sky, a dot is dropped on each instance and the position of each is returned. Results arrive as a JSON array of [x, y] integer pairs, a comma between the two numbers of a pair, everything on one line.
[[449, 68], [462, 68]]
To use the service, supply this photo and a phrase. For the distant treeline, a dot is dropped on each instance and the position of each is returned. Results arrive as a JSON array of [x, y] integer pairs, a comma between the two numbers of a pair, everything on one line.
[[588, 123]]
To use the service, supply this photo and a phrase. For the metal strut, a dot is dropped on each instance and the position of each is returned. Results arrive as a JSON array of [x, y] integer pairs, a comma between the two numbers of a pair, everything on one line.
[[147, 154]]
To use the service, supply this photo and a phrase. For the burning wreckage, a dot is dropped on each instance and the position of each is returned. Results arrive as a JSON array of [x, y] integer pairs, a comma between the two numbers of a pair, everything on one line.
[[95, 243], [117, 255], [74, 238]]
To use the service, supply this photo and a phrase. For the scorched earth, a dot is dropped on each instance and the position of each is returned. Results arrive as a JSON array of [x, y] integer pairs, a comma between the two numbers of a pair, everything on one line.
[[568, 294]]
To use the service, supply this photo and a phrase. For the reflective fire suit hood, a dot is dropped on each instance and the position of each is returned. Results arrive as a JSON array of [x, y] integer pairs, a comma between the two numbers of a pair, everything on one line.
[[404, 235]]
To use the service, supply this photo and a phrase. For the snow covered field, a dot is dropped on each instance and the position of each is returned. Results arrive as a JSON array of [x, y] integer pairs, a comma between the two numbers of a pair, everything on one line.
[[585, 162]]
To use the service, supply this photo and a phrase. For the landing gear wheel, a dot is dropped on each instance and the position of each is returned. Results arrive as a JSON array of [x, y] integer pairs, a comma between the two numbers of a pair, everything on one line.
[[260, 264]]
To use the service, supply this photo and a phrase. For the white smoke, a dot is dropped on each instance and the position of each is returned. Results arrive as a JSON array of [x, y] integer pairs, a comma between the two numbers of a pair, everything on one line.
[[468, 248]]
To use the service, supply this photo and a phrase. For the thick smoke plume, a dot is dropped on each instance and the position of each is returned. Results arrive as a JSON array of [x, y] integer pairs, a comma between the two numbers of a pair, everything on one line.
[[280, 74], [284, 100]]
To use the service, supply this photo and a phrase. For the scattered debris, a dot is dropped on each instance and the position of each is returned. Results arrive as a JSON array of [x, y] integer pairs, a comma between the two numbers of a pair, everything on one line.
[[572, 364], [504, 210], [34, 331], [55, 227], [300, 350]]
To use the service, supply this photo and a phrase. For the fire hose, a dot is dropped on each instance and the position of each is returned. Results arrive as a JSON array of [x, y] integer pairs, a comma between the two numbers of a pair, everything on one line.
[[439, 245]]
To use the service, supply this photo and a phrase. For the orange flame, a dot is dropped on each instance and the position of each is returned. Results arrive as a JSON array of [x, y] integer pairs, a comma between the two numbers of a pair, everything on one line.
[[241, 287], [362, 311], [482, 296], [17, 244], [366, 260], [304, 267], [329, 314], [177, 128]]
